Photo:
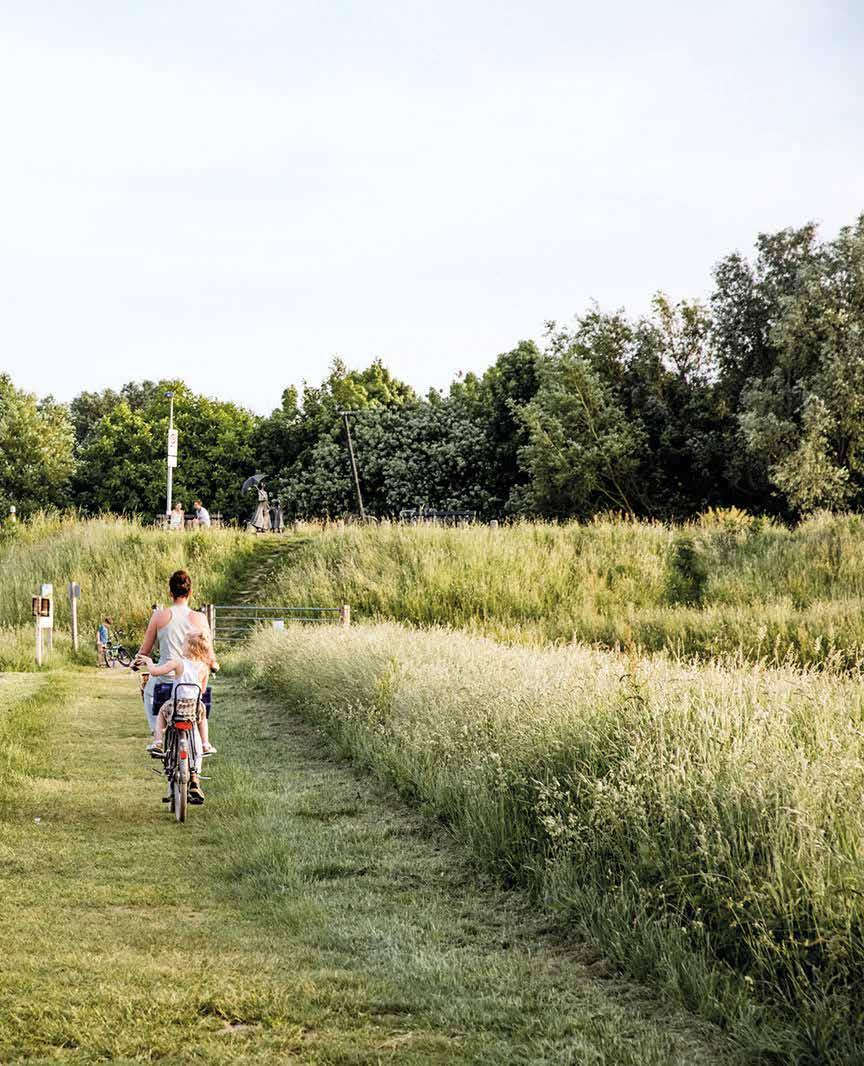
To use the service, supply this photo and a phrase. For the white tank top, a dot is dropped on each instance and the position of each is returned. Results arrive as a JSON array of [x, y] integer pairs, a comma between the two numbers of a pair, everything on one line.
[[192, 671], [172, 635]]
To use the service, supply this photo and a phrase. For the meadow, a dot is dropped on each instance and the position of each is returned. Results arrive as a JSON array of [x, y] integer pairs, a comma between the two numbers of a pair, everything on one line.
[[301, 916], [728, 584], [121, 565], [703, 823], [657, 731]]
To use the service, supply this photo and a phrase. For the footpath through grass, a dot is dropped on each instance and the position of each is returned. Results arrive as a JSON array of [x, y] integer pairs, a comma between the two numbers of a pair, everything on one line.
[[300, 916]]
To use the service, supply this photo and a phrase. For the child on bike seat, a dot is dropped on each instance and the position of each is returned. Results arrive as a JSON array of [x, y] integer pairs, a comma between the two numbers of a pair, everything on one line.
[[193, 668]]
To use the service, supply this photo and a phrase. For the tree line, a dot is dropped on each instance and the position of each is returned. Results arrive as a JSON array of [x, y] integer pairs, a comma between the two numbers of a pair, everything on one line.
[[754, 398]]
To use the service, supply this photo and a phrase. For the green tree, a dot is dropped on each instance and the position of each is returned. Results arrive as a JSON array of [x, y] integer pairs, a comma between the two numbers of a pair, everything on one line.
[[36, 450], [432, 454], [807, 475], [583, 452], [303, 447], [122, 453], [493, 403], [807, 387]]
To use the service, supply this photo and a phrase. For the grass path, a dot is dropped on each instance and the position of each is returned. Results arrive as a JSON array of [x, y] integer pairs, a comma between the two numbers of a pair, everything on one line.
[[302, 915]]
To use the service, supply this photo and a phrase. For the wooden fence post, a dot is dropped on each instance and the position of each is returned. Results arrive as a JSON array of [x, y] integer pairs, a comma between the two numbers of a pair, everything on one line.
[[74, 593], [345, 615]]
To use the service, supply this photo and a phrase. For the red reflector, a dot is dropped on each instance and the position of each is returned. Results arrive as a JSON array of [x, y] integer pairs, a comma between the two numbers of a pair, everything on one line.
[[184, 754], [182, 725]]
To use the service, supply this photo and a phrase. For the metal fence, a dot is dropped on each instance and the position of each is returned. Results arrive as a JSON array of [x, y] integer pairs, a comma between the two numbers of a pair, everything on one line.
[[416, 515], [232, 623]]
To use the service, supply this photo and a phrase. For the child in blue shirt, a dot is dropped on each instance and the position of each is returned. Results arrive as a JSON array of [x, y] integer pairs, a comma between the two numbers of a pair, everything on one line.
[[103, 636]]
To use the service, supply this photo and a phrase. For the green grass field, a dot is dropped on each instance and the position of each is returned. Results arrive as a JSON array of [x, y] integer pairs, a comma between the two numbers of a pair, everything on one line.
[[122, 567], [688, 802], [302, 915], [703, 823], [725, 586], [728, 585]]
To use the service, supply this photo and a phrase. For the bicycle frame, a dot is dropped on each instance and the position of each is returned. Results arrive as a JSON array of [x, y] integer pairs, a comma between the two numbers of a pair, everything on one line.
[[182, 750]]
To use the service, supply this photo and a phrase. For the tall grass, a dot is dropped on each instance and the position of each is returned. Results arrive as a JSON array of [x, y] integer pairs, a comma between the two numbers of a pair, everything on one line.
[[705, 823], [121, 565], [728, 584]]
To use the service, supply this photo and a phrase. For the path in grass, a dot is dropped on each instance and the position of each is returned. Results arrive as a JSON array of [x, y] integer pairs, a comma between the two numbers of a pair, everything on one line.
[[302, 915]]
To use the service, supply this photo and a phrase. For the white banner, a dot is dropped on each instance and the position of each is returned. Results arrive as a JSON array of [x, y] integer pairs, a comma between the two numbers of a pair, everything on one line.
[[172, 447]]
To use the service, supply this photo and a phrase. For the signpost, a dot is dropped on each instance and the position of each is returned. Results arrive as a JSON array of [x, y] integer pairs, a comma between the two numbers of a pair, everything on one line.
[[74, 592], [43, 613]]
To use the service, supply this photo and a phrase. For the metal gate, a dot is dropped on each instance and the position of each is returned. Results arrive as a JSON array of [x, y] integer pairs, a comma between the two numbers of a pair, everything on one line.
[[233, 623]]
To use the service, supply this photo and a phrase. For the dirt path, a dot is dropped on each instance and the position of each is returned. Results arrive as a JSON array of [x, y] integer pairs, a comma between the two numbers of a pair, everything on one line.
[[300, 916]]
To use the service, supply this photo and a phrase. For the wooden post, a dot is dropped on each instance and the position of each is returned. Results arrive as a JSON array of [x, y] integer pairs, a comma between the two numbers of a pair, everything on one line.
[[38, 641], [210, 613], [345, 615]]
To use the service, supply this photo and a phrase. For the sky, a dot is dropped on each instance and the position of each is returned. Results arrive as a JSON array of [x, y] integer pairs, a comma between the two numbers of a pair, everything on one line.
[[236, 193]]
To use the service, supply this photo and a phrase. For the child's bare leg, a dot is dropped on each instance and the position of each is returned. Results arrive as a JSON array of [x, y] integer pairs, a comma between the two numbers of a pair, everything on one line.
[[204, 730], [159, 729]]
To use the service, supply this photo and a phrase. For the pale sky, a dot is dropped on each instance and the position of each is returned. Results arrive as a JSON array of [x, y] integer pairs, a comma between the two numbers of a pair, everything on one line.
[[235, 193]]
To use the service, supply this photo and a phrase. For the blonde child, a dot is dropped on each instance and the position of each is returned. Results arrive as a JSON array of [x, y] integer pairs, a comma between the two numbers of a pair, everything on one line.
[[192, 668]]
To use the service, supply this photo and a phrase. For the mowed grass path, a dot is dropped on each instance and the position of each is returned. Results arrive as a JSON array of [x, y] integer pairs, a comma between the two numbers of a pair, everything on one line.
[[302, 915]]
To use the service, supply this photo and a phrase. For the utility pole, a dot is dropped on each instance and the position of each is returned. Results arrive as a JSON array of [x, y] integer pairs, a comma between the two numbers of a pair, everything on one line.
[[354, 463], [172, 453]]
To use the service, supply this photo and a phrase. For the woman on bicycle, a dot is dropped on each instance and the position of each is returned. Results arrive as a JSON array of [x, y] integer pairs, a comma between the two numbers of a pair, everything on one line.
[[170, 626], [189, 673]]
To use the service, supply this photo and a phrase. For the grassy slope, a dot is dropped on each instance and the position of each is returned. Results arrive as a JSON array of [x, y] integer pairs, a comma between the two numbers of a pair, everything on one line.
[[122, 568], [704, 824], [297, 917], [717, 588], [726, 586]]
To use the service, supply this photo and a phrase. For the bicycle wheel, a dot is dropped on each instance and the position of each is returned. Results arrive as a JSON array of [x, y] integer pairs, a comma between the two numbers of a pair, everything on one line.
[[169, 766], [181, 781], [123, 656], [181, 797]]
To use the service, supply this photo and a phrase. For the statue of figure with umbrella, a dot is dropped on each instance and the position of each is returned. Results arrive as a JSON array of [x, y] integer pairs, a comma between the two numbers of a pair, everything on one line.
[[260, 522]]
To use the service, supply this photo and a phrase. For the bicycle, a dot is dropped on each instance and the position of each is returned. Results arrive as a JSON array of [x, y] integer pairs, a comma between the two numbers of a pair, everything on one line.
[[115, 652], [182, 748]]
